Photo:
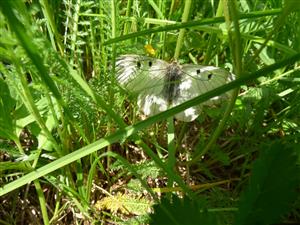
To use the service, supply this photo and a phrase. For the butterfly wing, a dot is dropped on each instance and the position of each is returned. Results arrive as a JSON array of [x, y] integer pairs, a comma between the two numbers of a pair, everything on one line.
[[195, 81], [145, 76]]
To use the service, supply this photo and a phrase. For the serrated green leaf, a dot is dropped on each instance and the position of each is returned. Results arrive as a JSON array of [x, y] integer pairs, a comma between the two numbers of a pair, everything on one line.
[[272, 186], [184, 211]]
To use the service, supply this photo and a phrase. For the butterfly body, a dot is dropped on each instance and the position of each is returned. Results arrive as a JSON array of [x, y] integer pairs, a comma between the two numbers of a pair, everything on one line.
[[161, 85], [173, 78]]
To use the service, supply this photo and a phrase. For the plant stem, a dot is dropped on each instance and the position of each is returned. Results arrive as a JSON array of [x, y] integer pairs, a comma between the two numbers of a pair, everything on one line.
[[231, 13], [185, 17]]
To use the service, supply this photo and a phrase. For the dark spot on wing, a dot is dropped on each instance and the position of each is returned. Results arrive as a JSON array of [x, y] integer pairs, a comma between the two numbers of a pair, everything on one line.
[[209, 76], [150, 63], [198, 71], [138, 64]]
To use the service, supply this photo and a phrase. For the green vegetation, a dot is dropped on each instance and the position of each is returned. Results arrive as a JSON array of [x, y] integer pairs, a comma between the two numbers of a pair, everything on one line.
[[74, 148]]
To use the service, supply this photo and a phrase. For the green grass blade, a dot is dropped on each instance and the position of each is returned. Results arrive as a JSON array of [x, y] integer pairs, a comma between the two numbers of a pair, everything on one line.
[[190, 24]]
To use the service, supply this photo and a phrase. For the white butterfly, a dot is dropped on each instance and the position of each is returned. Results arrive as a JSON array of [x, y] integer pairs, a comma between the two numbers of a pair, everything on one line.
[[162, 85]]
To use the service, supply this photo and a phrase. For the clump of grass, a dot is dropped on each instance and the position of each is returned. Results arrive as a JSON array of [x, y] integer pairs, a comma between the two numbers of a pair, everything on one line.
[[70, 137]]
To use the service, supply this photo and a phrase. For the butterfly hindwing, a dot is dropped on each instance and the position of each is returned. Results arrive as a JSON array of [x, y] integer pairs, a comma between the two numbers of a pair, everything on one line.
[[151, 104]]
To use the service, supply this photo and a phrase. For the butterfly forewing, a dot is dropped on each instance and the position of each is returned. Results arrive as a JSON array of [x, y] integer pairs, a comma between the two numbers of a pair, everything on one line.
[[137, 73], [197, 80], [203, 79]]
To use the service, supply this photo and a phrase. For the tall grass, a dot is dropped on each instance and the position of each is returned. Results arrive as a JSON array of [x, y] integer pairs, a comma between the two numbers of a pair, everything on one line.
[[73, 146]]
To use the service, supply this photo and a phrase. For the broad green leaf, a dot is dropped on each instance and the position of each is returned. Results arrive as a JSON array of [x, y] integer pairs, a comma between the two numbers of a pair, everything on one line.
[[272, 187], [184, 211]]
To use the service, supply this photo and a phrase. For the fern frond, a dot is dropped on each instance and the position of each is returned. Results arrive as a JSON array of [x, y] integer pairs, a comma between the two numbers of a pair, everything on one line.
[[124, 204]]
